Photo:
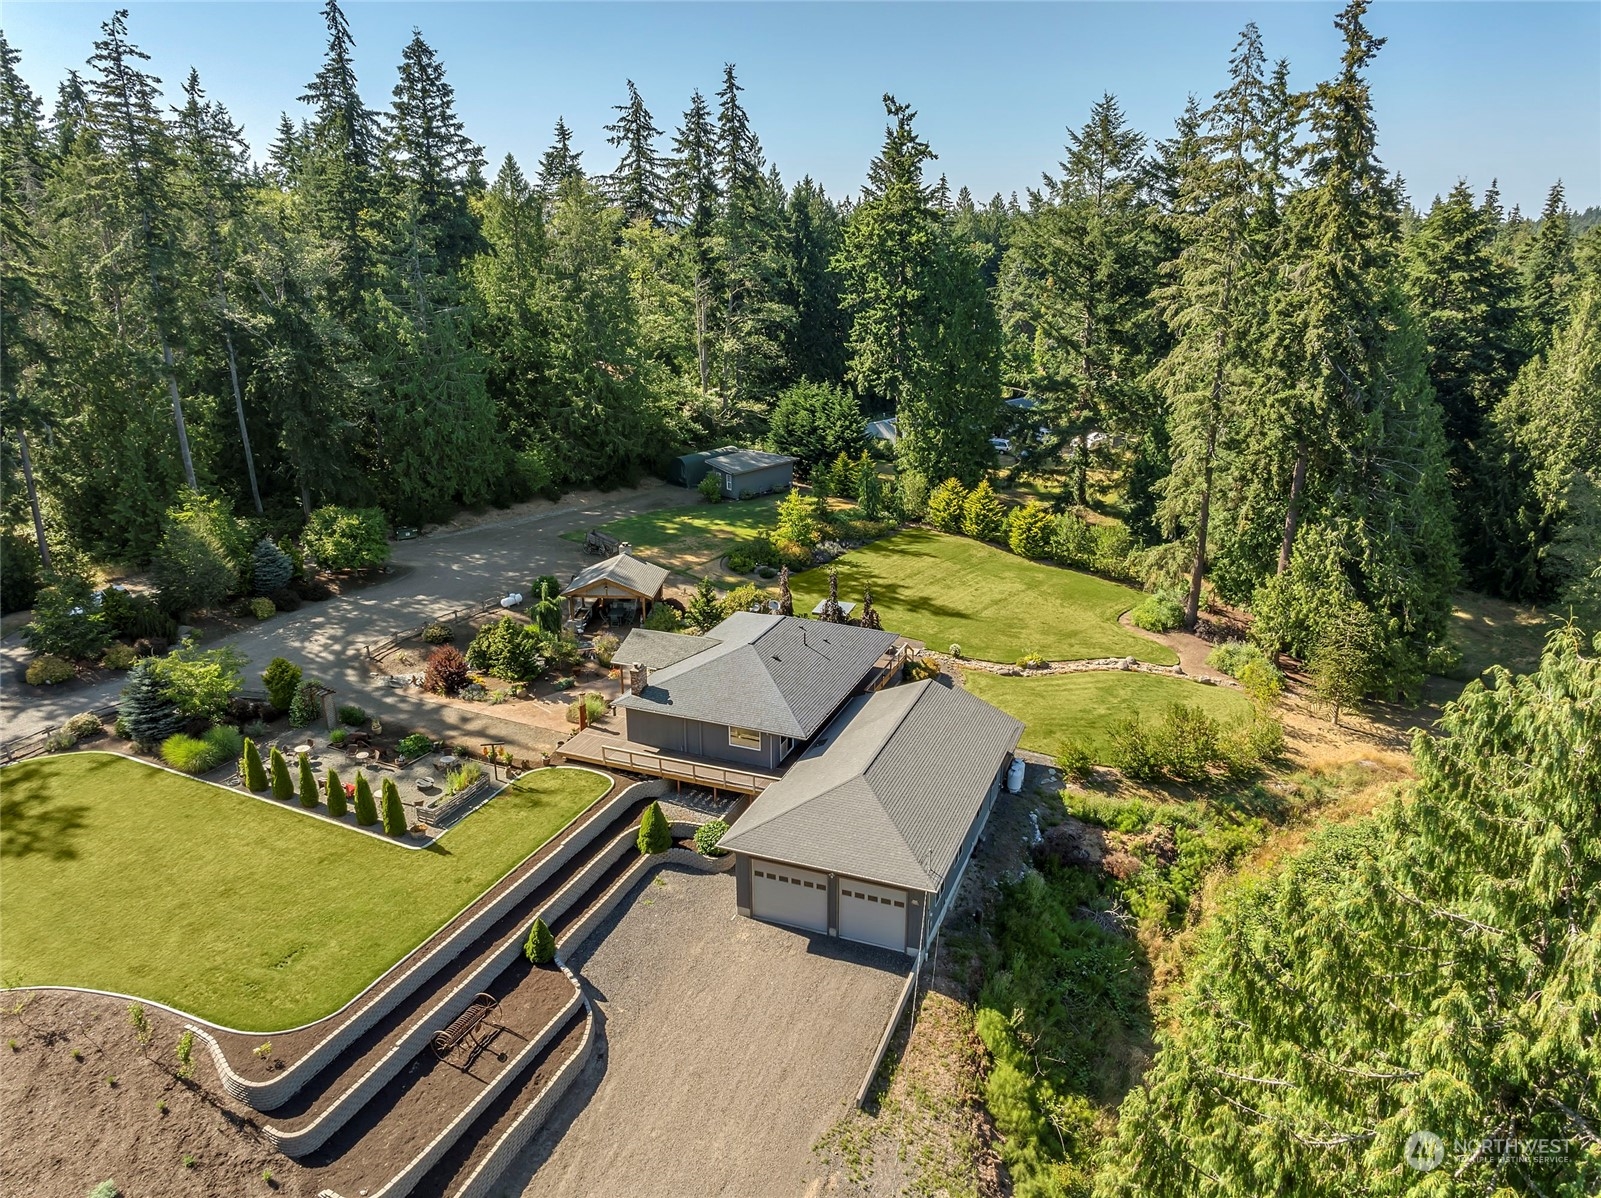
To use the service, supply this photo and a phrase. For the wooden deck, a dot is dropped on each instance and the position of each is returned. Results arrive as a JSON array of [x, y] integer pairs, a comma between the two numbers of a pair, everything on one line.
[[600, 747]]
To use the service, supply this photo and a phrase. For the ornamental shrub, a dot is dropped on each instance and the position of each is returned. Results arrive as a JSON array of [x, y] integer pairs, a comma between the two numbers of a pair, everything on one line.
[[119, 657], [285, 599], [227, 740], [366, 809], [663, 617], [446, 672], [1072, 541], [1262, 681], [753, 554], [655, 836], [415, 745], [983, 513], [144, 709], [707, 836], [508, 649], [306, 706], [605, 646], [263, 608], [352, 715], [1162, 611], [255, 777], [49, 670], [869, 490], [132, 616], [436, 633], [540, 947], [334, 791], [911, 495], [1031, 531], [189, 754], [270, 568], [346, 538], [1032, 661], [82, 726], [200, 682], [1075, 762], [281, 678], [596, 705], [945, 505], [339, 736], [797, 521], [711, 488], [1112, 548], [66, 620], [394, 810], [309, 795], [282, 788], [195, 566]]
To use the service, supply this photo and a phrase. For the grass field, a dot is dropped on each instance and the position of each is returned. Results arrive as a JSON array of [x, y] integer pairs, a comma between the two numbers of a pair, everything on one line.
[[1056, 708], [685, 537], [946, 590], [119, 876]]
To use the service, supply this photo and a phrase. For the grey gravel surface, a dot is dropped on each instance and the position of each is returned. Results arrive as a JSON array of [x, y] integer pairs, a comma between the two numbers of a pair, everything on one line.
[[727, 1048]]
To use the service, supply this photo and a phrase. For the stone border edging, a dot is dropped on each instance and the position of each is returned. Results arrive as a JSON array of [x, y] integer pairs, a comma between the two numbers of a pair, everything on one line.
[[403, 1182], [274, 1092], [1087, 665]]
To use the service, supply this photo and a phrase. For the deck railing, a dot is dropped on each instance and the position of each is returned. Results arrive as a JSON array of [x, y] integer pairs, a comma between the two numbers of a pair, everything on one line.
[[677, 769]]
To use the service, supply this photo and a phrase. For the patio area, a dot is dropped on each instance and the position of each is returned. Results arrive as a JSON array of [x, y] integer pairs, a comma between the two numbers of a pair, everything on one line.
[[611, 750]]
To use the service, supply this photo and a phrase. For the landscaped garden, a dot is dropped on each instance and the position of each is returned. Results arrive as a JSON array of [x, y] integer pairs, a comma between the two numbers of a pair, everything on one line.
[[123, 877], [1059, 709], [946, 590]]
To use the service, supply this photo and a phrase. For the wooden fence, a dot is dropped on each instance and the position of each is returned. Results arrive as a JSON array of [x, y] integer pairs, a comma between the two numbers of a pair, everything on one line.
[[36, 743], [376, 649]]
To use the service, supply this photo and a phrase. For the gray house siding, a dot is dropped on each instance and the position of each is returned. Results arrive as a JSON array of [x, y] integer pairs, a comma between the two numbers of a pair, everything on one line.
[[673, 734], [757, 482]]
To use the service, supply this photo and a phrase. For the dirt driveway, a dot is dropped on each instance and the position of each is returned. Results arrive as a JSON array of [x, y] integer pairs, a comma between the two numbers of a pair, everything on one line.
[[728, 1047]]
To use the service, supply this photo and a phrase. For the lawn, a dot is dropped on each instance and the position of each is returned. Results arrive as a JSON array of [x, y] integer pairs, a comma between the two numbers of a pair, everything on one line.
[[946, 590], [119, 876], [686, 537], [1057, 708]]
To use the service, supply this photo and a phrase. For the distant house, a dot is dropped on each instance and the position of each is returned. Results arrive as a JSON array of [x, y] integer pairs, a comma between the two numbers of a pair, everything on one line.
[[869, 797], [749, 472], [888, 430]]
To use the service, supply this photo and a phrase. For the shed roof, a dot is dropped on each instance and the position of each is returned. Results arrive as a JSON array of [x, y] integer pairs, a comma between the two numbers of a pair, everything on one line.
[[624, 570], [746, 461], [889, 792], [777, 674]]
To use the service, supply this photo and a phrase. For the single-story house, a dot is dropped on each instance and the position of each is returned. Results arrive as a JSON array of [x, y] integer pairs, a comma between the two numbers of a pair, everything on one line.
[[867, 835], [744, 473], [624, 586]]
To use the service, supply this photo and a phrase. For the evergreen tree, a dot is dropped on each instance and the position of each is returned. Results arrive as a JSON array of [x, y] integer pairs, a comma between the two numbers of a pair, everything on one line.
[[335, 790], [655, 835], [869, 488], [832, 612], [814, 345], [786, 601], [639, 184], [1547, 272], [540, 946], [148, 716], [366, 809], [559, 163], [869, 617], [309, 794], [695, 195], [705, 610], [283, 788], [394, 810]]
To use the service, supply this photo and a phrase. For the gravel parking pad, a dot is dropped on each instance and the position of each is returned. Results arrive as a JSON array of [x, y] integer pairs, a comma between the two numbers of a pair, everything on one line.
[[727, 1047]]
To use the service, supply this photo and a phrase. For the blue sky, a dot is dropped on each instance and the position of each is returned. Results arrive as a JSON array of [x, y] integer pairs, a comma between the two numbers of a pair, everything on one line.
[[1473, 90]]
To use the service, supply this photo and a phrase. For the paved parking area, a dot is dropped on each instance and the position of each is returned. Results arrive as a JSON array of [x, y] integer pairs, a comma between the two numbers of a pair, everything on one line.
[[728, 1047]]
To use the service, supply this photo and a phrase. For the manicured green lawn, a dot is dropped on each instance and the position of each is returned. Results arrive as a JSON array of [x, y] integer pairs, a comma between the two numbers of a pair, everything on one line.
[[1058, 708], [946, 590], [681, 538], [118, 876]]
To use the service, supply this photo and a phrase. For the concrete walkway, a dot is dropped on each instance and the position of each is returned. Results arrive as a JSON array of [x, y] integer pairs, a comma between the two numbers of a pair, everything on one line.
[[443, 570]]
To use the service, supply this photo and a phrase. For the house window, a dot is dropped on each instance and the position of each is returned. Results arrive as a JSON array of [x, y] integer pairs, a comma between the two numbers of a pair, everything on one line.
[[745, 738], [785, 744]]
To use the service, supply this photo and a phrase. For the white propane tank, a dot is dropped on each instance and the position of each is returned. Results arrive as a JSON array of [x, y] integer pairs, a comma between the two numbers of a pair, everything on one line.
[[512, 600], [1014, 776]]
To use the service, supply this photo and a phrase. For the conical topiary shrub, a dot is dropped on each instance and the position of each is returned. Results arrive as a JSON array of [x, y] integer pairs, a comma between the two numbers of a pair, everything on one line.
[[366, 809], [255, 776], [309, 797], [540, 947], [654, 834], [282, 788], [394, 809], [336, 795]]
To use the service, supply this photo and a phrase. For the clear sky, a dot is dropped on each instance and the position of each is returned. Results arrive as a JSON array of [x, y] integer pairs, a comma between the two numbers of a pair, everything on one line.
[[1474, 90]]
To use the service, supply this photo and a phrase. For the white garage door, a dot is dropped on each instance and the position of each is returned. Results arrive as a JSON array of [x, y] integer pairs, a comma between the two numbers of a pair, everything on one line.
[[872, 914], [785, 894]]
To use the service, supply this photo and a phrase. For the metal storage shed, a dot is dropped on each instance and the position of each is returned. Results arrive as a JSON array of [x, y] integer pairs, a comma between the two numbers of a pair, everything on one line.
[[688, 470], [748, 472]]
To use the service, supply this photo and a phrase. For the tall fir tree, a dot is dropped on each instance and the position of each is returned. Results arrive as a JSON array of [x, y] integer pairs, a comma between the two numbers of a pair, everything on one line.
[[559, 163], [639, 184]]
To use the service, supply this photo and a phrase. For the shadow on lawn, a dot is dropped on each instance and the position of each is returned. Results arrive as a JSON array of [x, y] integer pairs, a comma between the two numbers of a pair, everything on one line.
[[38, 823]]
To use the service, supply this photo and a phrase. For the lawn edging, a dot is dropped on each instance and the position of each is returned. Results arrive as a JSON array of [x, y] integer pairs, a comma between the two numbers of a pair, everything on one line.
[[274, 1092]]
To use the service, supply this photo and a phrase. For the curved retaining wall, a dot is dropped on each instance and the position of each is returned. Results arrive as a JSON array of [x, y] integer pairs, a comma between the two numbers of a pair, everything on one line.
[[403, 1182], [275, 1091]]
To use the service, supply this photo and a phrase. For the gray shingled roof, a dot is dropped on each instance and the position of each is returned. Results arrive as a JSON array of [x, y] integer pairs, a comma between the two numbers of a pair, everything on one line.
[[627, 571], [778, 674], [746, 461], [658, 650], [889, 792]]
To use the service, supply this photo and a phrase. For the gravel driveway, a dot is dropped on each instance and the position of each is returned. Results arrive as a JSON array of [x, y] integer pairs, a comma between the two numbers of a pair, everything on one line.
[[727, 1048]]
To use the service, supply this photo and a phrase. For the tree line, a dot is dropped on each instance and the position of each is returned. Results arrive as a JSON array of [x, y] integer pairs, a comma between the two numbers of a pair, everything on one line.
[[1241, 339]]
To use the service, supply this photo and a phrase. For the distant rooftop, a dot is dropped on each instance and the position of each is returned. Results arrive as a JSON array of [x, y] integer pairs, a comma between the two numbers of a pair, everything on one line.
[[746, 461]]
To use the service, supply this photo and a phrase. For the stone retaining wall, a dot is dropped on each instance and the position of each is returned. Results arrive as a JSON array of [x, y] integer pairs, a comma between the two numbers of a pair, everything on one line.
[[274, 1092]]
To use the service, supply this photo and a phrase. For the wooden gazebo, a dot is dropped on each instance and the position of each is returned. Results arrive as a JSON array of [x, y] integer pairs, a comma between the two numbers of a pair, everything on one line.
[[618, 580]]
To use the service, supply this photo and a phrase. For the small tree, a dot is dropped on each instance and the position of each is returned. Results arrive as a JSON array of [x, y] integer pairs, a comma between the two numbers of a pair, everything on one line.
[[346, 538], [282, 788], [663, 617], [540, 947], [366, 809], [844, 475], [869, 491], [281, 678], [983, 513], [1343, 665], [705, 609], [654, 834], [66, 621], [797, 521], [546, 612], [309, 796], [711, 488], [255, 777], [144, 711], [306, 707], [186, 1055], [270, 568], [832, 612], [446, 672], [786, 601], [869, 612], [394, 810], [911, 495], [335, 791], [945, 505], [1032, 530]]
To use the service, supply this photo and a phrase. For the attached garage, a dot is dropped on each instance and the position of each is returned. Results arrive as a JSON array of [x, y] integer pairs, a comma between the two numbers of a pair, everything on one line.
[[872, 914], [784, 894]]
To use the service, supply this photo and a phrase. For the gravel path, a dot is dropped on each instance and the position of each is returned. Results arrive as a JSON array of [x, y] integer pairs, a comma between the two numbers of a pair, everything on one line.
[[728, 1047]]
